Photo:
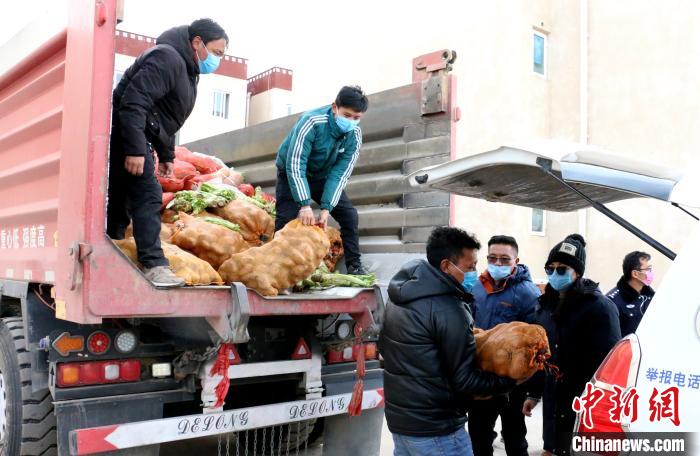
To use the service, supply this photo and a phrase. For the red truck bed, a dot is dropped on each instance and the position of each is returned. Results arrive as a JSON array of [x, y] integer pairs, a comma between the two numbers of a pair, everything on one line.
[[55, 109]]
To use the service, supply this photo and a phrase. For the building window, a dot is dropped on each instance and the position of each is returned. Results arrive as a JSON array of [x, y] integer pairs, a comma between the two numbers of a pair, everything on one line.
[[539, 58], [220, 108], [117, 77], [538, 221]]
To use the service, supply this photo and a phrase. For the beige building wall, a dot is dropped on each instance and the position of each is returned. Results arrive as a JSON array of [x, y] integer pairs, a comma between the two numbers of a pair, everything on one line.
[[644, 79], [268, 105]]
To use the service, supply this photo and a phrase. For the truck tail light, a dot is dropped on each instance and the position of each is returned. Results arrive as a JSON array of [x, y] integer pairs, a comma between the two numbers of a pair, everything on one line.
[[619, 368], [111, 371], [65, 344], [349, 354], [130, 370], [90, 373], [98, 373], [371, 351], [98, 343], [68, 374]]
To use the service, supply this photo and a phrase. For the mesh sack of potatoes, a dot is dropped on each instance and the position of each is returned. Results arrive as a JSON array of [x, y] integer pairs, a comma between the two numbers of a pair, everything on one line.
[[294, 253], [166, 231], [210, 242], [336, 250], [257, 226], [516, 350], [185, 265]]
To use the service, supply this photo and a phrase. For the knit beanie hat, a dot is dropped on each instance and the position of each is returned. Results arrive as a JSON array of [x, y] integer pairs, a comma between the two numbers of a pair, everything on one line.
[[571, 252]]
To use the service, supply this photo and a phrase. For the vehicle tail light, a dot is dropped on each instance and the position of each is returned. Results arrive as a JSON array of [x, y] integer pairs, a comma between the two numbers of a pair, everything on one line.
[[65, 344], [98, 372], [371, 350], [130, 370], [90, 373], [111, 371], [98, 343], [615, 369], [68, 374], [618, 369], [348, 354]]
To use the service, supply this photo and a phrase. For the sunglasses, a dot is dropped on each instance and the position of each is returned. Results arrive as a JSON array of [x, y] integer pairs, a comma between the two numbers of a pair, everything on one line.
[[561, 270]]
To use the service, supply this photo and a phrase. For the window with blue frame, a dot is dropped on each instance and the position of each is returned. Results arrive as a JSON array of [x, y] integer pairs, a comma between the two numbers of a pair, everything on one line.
[[539, 53]]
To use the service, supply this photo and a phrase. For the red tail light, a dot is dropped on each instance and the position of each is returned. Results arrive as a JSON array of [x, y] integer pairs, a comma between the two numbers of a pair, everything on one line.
[[98, 343], [98, 372], [616, 367], [130, 370]]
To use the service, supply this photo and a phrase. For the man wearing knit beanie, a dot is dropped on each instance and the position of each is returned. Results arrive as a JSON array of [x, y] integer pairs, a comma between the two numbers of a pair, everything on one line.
[[582, 326]]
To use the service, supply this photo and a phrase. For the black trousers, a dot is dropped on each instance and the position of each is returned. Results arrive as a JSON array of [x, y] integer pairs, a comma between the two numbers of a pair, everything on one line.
[[482, 419], [137, 199], [344, 213]]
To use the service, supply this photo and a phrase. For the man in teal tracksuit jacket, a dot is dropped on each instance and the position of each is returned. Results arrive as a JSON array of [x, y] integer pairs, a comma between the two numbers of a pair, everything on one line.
[[314, 163]]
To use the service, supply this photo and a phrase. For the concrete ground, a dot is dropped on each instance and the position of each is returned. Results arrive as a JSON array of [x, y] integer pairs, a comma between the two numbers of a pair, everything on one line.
[[210, 446]]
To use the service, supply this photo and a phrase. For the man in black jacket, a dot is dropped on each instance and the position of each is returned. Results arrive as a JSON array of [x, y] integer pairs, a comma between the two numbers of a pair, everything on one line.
[[633, 292], [150, 104], [429, 349], [582, 326]]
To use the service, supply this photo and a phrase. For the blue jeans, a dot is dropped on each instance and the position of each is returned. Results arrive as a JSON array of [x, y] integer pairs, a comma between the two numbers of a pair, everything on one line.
[[455, 444]]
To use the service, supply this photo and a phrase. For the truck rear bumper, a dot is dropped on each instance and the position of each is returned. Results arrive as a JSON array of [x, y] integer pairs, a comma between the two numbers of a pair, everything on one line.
[[152, 432]]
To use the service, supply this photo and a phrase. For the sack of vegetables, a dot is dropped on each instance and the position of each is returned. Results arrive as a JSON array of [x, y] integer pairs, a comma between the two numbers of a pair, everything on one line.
[[516, 350], [291, 256], [212, 239], [257, 226], [185, 265]]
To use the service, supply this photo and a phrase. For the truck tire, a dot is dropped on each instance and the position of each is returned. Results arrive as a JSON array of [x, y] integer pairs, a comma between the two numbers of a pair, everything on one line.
[[27, 421]]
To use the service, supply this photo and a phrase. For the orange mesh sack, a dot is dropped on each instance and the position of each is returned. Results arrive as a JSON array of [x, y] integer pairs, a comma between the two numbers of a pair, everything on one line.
[[166, 231], [257, 227], [212, 243], [336, 251], [516, 350], [185, 265], [294, 253]]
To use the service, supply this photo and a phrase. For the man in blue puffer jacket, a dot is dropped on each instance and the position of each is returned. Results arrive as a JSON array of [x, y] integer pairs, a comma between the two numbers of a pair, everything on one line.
[[505, 293]]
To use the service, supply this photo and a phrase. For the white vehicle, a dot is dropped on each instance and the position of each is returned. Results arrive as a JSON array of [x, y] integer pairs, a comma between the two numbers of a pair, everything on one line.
[[561, 176]]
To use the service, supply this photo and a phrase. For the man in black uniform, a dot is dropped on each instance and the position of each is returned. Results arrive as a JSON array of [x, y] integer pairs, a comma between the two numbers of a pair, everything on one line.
[[150, 104]]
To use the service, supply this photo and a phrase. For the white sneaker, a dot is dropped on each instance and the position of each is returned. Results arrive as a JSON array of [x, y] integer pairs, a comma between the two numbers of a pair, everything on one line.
[[163, 276]]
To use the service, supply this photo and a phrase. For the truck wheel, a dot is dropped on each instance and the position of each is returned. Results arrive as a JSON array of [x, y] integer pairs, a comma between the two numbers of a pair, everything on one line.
[[27, 421]]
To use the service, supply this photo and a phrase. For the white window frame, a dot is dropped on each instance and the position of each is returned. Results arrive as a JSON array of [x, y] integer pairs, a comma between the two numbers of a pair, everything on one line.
[[544, 223], [227, 104], [545, 54]]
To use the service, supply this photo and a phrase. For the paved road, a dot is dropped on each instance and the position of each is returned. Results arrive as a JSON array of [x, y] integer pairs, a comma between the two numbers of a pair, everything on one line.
[[202, 447]]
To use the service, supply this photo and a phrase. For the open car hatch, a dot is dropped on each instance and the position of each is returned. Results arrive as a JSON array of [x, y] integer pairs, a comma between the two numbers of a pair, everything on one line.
[[517, 175]]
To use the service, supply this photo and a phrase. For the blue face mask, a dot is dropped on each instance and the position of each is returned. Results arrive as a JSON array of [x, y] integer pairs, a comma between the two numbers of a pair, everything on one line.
[[470, 279], [499, 272], [562, 282], [210, 64], [345, 124]]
